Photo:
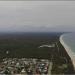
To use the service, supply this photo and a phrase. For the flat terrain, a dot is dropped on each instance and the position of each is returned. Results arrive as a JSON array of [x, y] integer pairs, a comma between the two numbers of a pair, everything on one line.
[[26, 45]]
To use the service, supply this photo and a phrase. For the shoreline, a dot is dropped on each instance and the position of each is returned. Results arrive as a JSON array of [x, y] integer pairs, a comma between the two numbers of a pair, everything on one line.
[[68, 50]]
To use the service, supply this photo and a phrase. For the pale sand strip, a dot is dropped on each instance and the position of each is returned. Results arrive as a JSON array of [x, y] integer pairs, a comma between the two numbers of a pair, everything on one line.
[[68, 50]]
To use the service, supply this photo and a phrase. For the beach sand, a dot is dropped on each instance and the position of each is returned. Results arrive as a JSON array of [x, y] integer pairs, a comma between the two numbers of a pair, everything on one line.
[[68, 50]]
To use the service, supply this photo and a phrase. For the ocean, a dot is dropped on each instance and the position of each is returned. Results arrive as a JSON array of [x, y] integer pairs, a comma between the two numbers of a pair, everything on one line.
[[69, 40]]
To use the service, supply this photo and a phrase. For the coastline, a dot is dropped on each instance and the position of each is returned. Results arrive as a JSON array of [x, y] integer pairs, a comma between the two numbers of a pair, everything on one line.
[[68, 49]]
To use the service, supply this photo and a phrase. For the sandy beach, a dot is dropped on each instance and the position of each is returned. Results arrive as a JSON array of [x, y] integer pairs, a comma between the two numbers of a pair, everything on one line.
[[68, 50]]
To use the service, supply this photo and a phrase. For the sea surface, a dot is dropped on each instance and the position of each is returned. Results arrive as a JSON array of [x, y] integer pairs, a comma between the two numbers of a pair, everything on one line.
[[69, 40]]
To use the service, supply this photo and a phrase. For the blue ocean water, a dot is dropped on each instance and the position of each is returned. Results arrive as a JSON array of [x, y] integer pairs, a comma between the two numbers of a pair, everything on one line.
[[69, 40]]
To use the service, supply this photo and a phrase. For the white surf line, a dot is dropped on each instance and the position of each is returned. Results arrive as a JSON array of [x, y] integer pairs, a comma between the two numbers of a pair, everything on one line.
[[69, 51]]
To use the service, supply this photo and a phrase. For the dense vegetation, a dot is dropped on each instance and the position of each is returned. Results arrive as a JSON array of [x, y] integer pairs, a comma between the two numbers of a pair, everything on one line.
[[27, 45]]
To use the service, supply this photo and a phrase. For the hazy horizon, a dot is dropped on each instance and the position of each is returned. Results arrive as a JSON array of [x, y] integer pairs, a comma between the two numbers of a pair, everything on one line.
[[37, 16]]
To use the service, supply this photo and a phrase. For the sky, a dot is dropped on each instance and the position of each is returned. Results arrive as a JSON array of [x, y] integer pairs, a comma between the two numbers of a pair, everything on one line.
[[37, 16]]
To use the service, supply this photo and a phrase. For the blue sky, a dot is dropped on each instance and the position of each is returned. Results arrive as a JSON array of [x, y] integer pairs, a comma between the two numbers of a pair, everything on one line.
[[24, 16]]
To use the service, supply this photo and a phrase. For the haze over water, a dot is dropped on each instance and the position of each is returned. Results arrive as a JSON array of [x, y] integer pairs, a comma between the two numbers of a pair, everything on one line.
[[69, 40]]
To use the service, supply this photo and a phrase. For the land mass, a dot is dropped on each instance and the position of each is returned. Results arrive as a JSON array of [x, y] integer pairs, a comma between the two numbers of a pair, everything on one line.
[[28, 45]]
